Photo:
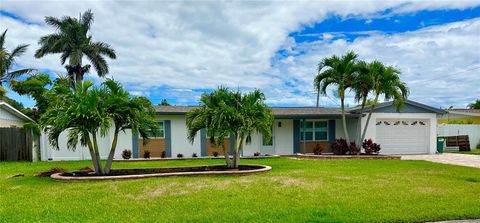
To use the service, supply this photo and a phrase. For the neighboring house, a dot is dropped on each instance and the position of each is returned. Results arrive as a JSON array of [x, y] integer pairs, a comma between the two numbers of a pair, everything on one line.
[[11, 117], [412, 130], [461, 122]]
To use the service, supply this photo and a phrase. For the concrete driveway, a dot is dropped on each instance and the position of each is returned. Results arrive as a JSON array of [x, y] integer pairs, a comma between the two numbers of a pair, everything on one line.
[[448, 158]]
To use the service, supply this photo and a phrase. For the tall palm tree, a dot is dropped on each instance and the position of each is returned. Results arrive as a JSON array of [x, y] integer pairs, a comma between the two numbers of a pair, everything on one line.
[[362, 87], [385, 81], [338, 71], [7, 60], [73, 42]]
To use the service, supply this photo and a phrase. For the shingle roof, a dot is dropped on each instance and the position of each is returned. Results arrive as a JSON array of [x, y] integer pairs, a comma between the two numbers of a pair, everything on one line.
[[277, 111], [464, 110]]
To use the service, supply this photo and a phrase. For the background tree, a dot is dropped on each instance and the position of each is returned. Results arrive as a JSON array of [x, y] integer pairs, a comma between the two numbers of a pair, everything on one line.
[[73, 42], [386, 81], [340, 72], [164, 102], [225, 113], [474, 105], [7, 61], [35, 87]]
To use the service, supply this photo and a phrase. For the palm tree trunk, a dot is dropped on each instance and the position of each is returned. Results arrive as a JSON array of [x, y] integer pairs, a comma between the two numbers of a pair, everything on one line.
[[92, 154], [345, 131], [318, 97], [108, 166], [369, 116], [97, 154], [359, 123], [227, 156], [237, 153]]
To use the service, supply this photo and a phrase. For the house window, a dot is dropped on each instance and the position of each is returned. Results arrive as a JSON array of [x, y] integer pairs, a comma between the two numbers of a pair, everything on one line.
[[160, 134], [314, 131]]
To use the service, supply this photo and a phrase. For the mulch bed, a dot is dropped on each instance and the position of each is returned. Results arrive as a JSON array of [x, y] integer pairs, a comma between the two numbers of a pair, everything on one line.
[[344, 157], [138, 173]]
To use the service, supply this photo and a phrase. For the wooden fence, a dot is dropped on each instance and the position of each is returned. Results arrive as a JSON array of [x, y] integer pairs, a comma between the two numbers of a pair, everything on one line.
[[15, 144]]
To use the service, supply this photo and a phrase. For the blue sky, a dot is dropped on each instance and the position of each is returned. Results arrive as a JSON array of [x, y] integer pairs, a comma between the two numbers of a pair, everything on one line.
[[179, 50]]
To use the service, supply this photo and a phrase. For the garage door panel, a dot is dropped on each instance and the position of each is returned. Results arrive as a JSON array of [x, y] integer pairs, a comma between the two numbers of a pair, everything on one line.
[[403, 136]]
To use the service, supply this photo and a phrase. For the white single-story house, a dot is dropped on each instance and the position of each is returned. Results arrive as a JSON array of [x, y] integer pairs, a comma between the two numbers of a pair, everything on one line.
[[412, 130], [11, 117]]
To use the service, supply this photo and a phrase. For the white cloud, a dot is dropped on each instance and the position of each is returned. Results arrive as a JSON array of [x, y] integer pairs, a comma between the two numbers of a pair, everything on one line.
[[200, 45]]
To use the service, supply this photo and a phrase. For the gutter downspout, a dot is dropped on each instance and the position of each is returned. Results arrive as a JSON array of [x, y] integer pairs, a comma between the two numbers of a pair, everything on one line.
[[304, 139]]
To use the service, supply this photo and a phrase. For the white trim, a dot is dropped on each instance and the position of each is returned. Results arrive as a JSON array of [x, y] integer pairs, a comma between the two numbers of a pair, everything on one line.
[[15, 111]]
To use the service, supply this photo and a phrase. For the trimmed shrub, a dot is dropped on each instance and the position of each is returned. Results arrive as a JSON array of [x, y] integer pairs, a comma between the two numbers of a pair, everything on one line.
[[215, 154], [256, 154], [318, 149], [146, 154], [340, 147], [194, 155], [370, 147], [164, 154], [179, 155], [127, 154]]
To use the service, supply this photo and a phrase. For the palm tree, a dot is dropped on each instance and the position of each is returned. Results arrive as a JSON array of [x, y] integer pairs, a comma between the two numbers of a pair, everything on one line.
[[362, 86], [338, 71], [127, 112], [88, 112], [255, 116], [214, 117], [7, 60], [73, 42], [385, 81], [225, 113]]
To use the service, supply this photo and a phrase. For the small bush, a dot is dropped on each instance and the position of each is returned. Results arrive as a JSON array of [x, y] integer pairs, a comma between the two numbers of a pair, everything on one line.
[[179, 155], [370, 147], [256, 154], [215, 154], [146, 154], [318, 149], [164, 154], [127, 154], [194, 155], [354, 149], [340, 147], [478, 145]]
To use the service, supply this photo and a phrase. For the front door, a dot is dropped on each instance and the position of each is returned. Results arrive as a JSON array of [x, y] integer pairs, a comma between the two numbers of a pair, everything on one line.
[[268, 146]]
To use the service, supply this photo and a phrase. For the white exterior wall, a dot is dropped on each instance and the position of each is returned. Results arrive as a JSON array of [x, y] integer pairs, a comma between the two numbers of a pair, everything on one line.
[[351, 127], [179, 141], [48, 152], [473, 132], [282, 140], [431, 117], [7, 119]]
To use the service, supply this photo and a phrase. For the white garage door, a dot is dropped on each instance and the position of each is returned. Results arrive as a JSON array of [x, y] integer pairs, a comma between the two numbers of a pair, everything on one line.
[[403, 136]]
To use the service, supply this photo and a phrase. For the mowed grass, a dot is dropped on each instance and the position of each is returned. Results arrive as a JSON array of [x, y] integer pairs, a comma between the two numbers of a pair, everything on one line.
[[471, 152], [294, 191]]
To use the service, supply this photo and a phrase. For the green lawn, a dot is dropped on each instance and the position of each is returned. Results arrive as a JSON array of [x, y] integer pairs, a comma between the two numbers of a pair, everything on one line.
[[295, 191], [471, 152]]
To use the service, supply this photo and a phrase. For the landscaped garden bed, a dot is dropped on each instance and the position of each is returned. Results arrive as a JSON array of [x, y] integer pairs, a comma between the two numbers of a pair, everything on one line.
[[344, 157], [138, 173], [191, 158]]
